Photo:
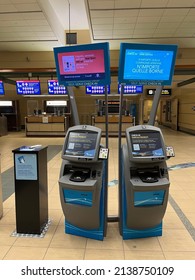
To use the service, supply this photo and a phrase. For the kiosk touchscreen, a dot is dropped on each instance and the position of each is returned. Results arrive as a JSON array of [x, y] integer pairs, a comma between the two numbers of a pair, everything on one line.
[[145, 182], [82, 184]]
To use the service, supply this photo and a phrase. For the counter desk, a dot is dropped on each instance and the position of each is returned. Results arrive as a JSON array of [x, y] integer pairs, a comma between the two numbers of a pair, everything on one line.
[[46, 125], [113, 123]]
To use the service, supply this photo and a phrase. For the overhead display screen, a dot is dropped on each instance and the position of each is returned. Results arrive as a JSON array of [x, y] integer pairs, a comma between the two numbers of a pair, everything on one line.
[[128, 89], [146, 144], [2, 91], [97, 89], [54, 88], [146, 64], [28, 87], [83, 64], [81, 144]]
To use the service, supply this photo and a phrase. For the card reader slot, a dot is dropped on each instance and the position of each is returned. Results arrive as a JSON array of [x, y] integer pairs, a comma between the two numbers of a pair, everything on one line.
[[77, 174], [147, 175]]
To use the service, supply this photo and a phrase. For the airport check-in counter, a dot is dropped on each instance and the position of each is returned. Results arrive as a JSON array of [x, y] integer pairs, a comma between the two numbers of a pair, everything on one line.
[[82, 182], [144, 189]]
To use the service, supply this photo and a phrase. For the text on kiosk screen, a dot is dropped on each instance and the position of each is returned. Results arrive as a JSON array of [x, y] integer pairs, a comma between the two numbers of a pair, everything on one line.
[[146, 144], [81, 144]]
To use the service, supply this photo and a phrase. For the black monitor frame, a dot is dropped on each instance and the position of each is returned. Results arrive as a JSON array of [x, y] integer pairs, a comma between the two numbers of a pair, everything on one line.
[[82, 129], [144, 130]]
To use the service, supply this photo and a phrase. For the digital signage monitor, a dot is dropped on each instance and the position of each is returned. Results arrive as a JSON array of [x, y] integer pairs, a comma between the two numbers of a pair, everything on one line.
[[82, 65], [146, 64], [54, 88], [28, 87], [2, 91], [129, 89], [96, 89]]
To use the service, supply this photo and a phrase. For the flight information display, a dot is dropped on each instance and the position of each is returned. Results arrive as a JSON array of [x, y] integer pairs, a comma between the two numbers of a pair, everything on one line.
[[55, 88], [146, 144], [81, 144], [97, 89], [28, 87], [146, 64], [128, 89], [2, 91], [83, 64]]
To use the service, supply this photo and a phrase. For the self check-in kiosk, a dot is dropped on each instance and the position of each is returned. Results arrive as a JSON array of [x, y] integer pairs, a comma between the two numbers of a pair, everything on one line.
[[82, 184], [145, 182], [143, 176], [84, 174]]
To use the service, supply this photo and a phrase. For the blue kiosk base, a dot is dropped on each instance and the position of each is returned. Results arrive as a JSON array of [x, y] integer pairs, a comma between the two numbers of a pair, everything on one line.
[[129, 233], [97, 234]]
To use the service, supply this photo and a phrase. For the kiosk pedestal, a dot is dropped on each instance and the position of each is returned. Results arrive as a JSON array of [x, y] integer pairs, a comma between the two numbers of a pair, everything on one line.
[[31, 194], [1, 199]]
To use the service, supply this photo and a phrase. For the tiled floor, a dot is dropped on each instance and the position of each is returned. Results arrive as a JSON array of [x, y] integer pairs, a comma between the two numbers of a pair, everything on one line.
[[177, 241]]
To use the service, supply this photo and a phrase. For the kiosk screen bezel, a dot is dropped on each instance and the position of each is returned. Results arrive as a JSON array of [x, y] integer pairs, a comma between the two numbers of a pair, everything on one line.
[[157, 147], [75, 156]]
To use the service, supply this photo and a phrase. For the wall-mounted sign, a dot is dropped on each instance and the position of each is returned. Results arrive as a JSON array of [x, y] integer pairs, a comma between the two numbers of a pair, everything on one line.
[[165, 92]]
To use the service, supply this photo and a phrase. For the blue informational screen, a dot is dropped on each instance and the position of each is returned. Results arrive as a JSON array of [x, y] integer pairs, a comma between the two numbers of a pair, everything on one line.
[[129, 89], [28, 87], [97, 89], [82, 65], [54, 88], [2, 91], [146, 64]]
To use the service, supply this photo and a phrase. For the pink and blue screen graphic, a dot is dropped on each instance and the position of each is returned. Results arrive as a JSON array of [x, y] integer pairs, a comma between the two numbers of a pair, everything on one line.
[[83, 65]]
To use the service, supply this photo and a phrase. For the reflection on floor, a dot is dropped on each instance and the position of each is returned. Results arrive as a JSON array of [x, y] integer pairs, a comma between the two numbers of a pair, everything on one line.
[[177, 241]]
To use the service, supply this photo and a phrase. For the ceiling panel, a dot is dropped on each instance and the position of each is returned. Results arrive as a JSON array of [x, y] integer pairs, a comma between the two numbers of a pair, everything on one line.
[[101, 3], [153, 3], [120, 4], [180, 3], [165, 21], [161, 20]]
